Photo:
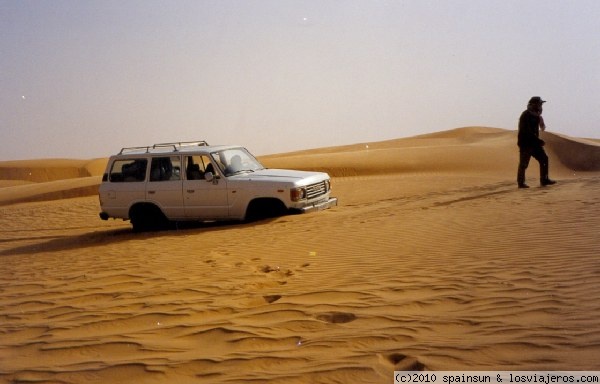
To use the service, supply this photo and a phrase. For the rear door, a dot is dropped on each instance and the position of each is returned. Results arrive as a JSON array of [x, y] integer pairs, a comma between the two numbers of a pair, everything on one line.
[[164, 187], [123, 185]]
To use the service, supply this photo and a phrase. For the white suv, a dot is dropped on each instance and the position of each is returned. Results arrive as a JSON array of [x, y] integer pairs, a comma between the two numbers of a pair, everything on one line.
[[193, 181]]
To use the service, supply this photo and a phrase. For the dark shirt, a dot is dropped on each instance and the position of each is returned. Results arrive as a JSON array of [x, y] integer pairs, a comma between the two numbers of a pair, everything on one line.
[[529, 130]]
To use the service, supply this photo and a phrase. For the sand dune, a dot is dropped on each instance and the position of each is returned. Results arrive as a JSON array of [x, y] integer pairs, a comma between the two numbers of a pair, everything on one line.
[[433, 260], [51, 190], [464, 150], [470, 150], [49, 179], [50, 169]]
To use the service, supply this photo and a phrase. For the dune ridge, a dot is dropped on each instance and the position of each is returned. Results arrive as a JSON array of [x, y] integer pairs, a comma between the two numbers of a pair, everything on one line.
[[420, 268]]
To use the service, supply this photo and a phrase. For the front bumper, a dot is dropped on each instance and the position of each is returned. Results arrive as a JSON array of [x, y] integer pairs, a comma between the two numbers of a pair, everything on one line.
[[320, 205]]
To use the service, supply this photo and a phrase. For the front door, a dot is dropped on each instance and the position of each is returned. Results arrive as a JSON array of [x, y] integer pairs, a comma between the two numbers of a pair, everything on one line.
[[204, 200]]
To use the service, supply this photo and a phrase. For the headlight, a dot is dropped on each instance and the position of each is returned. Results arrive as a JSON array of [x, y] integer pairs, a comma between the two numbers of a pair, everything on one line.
[[327, 185], [297, 194]]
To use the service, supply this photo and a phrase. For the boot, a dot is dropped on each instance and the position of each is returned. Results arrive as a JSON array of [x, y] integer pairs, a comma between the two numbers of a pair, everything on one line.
[[521, 178], [544, 178], [547, 181]]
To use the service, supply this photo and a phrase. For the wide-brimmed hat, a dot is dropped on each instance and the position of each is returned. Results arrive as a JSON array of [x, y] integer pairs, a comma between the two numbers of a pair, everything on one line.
[[536, 100]]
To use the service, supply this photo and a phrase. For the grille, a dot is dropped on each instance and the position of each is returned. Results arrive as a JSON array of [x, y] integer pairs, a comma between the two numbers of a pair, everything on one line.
[[316, 190]]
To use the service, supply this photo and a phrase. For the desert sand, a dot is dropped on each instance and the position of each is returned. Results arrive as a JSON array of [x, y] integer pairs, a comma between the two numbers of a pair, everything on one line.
[[433, 260]]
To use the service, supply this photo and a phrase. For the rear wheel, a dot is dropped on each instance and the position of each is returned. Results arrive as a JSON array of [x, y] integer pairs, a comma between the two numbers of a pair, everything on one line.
[[147, 217]]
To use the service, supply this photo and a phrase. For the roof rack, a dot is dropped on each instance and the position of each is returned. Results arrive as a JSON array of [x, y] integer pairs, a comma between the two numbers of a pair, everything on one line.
[[176, 146], [132, 149], [180, 144]]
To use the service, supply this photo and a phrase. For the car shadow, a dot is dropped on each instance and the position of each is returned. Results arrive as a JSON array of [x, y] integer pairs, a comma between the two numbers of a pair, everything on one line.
[[59, 243]]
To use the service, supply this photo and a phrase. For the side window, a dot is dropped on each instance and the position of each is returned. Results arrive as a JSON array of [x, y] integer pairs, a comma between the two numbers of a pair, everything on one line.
[[128, 170], [197, 166], [165, 168]]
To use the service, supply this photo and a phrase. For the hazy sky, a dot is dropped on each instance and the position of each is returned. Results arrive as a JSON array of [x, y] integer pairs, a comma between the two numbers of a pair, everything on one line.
[[83, 78]]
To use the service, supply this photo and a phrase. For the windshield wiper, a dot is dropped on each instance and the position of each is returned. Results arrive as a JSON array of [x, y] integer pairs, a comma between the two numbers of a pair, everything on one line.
[[240, 171]]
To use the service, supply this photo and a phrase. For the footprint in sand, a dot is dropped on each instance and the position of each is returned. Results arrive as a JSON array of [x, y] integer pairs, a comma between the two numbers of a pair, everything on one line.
[[271, 298], [277, 269], [336, 317], [405, 363]]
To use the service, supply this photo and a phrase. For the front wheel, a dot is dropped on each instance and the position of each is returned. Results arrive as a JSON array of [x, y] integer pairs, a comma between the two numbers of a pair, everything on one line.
[[264, 209]]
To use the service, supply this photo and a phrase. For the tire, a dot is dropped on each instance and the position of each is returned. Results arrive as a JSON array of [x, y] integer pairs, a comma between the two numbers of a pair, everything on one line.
[[147, 217], [265, 209]]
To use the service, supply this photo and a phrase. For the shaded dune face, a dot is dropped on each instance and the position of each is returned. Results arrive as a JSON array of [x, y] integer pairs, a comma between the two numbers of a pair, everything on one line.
[[575, 154]]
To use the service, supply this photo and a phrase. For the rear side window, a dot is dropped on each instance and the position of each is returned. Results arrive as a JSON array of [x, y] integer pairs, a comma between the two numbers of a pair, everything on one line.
[[165, 168], [128, 170]]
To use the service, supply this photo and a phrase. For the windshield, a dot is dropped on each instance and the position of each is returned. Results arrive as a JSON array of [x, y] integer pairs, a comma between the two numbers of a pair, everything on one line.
[[236, 160]]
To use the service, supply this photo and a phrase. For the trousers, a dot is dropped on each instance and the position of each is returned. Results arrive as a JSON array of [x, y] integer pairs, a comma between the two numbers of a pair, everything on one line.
[[526, 153]]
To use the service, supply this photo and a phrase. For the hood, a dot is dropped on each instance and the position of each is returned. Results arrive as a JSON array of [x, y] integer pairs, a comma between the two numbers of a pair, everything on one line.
[[282, 175]]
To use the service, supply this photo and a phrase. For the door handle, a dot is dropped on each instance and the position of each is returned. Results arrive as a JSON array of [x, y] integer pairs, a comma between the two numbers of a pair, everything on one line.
[[191, 190], [151, 192]]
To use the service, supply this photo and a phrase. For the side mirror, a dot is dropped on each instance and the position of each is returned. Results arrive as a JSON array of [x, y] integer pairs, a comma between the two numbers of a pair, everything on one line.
[[209, 177]]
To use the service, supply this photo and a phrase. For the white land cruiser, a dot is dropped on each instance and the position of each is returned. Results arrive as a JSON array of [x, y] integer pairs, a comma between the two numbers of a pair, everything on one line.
[[193, 181]]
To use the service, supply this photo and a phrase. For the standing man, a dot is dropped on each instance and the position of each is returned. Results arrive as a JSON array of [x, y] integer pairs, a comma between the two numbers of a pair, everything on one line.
[[530, 143]]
